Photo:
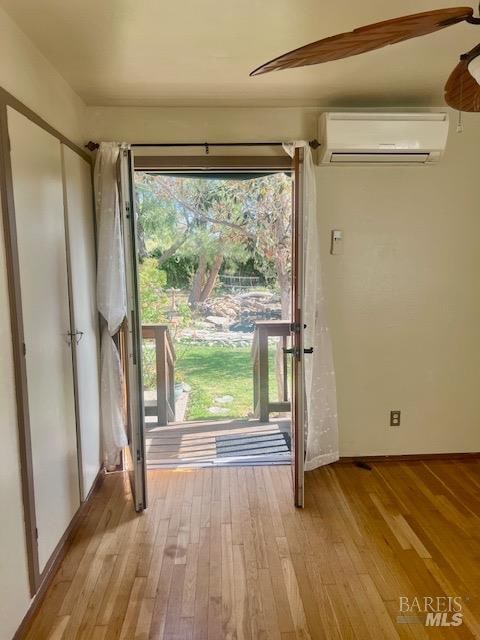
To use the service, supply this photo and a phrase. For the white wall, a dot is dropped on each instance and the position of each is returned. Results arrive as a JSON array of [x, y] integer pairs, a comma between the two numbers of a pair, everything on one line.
[[404, 303], [189, 124], [26, 73]]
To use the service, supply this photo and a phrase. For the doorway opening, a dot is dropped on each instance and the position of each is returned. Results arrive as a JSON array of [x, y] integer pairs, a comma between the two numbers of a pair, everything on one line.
[[215, 276]]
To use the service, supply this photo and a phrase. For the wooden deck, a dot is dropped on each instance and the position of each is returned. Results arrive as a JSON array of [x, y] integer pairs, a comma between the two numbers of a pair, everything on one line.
[[218, 443], [222, 553]]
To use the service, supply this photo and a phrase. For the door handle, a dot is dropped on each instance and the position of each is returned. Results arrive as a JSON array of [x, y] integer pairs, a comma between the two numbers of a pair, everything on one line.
[[308, 350], [296, 326]]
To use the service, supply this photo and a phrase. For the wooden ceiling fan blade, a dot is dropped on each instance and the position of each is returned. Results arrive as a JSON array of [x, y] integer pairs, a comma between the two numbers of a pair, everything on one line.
[[363, 39], [462, 91]]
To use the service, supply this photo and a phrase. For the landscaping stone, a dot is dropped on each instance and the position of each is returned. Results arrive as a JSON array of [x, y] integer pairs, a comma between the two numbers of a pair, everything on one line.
[[217, 338], [229, 320], [218, 321], [224, 399], [234, 306]]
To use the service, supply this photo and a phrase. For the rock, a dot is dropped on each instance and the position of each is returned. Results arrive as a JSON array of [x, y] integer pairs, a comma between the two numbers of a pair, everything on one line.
[[224, 399], [218, 321]]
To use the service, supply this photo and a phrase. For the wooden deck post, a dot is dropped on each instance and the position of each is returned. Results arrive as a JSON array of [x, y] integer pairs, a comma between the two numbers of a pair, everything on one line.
[[161, 365], [262, 406], [263, 413], [165, 372], [285, 369]]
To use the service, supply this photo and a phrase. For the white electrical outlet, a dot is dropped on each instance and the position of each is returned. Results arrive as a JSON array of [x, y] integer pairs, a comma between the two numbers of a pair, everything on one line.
[[395, 418]]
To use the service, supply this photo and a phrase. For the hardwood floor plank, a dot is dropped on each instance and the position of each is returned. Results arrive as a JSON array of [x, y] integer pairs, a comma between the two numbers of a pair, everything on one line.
[[200, 615], [215, 568], [162, 592], [240, 599], [189, 586], [133, 609], [144, 621], [228, 597]]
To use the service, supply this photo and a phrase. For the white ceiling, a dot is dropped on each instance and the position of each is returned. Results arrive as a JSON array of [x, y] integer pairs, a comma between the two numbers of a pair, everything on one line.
[[200, 52]]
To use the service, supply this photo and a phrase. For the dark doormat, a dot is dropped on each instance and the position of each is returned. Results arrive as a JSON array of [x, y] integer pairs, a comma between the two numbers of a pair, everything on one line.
[[252, 445]]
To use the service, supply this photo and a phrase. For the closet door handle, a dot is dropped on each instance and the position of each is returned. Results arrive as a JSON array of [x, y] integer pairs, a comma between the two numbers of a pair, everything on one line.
[[73, 336], [77, 336]]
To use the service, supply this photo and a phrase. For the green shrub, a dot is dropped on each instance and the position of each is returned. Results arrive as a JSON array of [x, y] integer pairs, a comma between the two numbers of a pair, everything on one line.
[[153, 300]]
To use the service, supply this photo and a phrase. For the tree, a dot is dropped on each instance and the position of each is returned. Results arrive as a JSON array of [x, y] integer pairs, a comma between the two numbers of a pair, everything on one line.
[[209, 225], [158, 220], [152, 292], [211, 219], [273, 232], [271, 221]]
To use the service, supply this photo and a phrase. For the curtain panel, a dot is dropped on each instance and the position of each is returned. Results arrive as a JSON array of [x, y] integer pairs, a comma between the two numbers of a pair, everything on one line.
[[321, 428], [111, 299]]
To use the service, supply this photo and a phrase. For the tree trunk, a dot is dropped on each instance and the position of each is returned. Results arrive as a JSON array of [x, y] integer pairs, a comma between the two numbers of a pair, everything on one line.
[[198, 281], [142, 247], [212, 278], [168, 253]]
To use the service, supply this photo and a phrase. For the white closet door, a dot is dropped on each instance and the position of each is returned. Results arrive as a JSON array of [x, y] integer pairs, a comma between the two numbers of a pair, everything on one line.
[[39, 210], [81, 241]]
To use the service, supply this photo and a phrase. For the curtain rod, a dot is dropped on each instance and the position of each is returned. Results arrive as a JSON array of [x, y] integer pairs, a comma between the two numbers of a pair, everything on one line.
[[92, 146]]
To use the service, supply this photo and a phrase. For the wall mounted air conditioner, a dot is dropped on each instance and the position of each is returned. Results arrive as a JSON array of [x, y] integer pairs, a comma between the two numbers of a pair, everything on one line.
[[382, 138]]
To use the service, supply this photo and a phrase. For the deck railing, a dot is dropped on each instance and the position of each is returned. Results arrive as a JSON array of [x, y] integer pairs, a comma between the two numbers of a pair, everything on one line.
[[165, 356], [261, 396]]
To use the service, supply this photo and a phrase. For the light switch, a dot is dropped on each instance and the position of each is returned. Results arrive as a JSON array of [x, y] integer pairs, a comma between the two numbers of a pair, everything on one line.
[[336, 242]]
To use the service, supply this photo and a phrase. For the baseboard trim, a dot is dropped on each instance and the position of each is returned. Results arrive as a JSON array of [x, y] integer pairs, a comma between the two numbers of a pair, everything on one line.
[[56, 558], [412, 457]]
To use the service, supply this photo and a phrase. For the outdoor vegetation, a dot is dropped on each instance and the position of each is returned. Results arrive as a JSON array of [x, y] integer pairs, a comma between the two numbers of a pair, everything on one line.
[[214, 256]]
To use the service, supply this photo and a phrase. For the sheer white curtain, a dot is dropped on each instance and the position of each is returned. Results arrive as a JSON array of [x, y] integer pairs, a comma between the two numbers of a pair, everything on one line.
[[321, 429], [111, 299]]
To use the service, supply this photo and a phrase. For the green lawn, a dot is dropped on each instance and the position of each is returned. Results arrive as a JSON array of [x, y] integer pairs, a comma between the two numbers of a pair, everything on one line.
[[213, 372]]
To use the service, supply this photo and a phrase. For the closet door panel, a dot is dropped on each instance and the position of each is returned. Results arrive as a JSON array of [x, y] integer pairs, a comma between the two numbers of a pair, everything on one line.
[[39, 211], [81, 242]]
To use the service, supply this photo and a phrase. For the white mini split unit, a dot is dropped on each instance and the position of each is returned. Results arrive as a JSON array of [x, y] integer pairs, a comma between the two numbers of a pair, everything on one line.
[[382, 138]]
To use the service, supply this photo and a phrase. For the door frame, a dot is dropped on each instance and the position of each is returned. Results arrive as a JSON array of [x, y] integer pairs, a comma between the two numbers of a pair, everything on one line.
[[16, 324], [297, 328], [237, 164]]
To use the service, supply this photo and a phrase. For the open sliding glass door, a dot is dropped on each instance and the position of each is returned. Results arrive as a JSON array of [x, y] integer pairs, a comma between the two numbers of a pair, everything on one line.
[[297, 327], [132, 337]]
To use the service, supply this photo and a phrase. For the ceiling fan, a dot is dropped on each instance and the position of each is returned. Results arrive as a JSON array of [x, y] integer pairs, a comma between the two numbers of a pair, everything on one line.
[[462, 91]]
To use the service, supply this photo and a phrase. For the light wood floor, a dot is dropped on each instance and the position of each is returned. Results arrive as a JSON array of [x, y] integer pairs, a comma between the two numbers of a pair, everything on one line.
[[221, 553]]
